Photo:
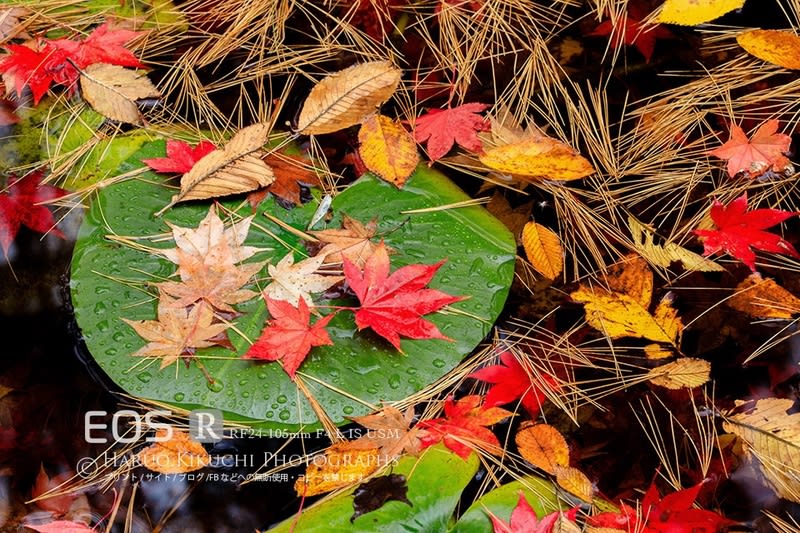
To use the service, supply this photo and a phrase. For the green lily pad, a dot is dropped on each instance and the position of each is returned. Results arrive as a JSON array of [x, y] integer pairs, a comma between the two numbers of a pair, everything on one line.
[[111, 281], [435, 482], [539, 492]]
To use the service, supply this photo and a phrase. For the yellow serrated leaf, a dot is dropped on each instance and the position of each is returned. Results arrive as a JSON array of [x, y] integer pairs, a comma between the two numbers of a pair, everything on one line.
[[763, 298], [338, 467], [692, 12], [543, 446], [779, 47], [575, 482], [683, 373], [540, 157], [347, 97], [387, 149], [543, 249], [666, 254], [772, 439], [112, 91], [621, 310]]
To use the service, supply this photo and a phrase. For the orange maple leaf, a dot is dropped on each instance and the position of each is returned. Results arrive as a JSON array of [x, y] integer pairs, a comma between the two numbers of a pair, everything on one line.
[[755, 156]]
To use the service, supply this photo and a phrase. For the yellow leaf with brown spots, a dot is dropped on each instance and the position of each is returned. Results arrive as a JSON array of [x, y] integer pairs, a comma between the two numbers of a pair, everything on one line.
[[575, 482], [387, 149], [779, 47], [542, 446], [692, 12]]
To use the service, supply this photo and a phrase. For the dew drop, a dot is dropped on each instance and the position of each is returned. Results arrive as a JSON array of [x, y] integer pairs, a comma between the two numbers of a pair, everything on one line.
[[262, 375], [243, 382], [394, 381], [282, 398], [111, 351], [411, 371], [372, 390], [118, 336], [99, 308], [179, 396], [245, 394], [438, 363], [215, 385], [102, 326], [284, 415], [270, 414], [145, 377], [347, 409]]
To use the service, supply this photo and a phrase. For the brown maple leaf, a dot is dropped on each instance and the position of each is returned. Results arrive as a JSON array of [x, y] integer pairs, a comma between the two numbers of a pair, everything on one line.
[[388, 430], [178, 332], [290, 171], [207, 260], [352, 241], [292, 281]]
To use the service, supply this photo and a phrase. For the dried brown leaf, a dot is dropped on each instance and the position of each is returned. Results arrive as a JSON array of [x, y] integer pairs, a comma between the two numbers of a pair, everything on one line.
[[112, 91]]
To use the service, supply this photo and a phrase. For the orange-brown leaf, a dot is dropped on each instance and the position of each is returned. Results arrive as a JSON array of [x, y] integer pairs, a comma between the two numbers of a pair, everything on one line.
[[290, 171], [779, 47], [575, 482], [543, 249], [390, 431], [763, 298], [177, 455], [538, 157], [387, 149], [542, 446], [351, 241], [338, 467]]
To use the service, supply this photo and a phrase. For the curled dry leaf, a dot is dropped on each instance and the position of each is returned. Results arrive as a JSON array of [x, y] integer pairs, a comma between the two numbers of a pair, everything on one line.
[[543, 446], [663, 255], [772, 439], [176, 455], [235, 168], [683, 373], [338, 467], [763, 298], [538, 157], [622, 310], [779, 47], [543, 249], [692, 12], [387, 149], [112, 91], [347, 97]]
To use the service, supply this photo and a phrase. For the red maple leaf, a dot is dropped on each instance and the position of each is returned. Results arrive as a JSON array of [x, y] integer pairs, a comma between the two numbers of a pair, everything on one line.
[[289, 336], [510, 381], [755, 156], [443, 127], [463, 426], [740, 231], [394, 305], [524, 519], [37, 68], [19, 207], [671, 514], [181, 157], [104, 45], [628, 30]]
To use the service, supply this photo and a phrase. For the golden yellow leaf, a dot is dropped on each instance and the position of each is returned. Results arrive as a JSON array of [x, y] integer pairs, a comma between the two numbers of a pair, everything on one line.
[[112, 91], [779, 47], [543, 249], [177, 455], [539, 157], [621, 310], [655, 351], [338, 467], [683, 373], [542, 446], [691, 12], [772, 439], [575, 482], [235, 168], [387, 149], [763, 298], [347, 97], [663, 255]]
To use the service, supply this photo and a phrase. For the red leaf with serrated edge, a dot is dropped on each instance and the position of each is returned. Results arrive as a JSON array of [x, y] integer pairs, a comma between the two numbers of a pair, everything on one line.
[[104, 45], [671, 514], [444, 127], [629, 30], [18, 207], [393, 305], [524, 519], [61, 526], [740, 231], [755, 156], [289, 336], [464, 423], [38, 69], [511, 382], [181, 157]]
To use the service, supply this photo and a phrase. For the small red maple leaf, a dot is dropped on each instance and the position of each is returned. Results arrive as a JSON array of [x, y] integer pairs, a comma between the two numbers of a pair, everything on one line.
[[19, 207], [755, 156], [463, 426], [289, 336], [740, 231], [629, 30], [671, 514], [37, 68], [104, 45], [524, 519], [511, 381], [181, 157], [394, 305], [443, 127]]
